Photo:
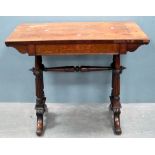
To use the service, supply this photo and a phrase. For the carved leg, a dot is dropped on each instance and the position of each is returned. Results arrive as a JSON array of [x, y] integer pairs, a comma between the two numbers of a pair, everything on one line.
[[115, 99], [111, 97], [40, 98]]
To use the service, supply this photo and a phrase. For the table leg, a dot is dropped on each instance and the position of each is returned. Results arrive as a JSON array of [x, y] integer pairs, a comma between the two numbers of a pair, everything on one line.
[[40, 98], [115, 99]]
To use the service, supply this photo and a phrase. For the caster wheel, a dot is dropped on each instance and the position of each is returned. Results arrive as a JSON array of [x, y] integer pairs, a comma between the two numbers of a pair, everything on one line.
[[39, 130]]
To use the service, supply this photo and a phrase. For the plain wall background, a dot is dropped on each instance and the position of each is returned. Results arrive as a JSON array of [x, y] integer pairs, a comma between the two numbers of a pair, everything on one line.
[[137, 81]]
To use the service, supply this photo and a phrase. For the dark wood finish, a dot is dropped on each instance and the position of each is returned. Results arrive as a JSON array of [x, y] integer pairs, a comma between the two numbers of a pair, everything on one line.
[[40, 98], [77, 38], [77, 68], [115, 98]]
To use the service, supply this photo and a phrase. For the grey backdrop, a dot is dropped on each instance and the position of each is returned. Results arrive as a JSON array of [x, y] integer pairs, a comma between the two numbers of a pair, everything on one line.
[[137, 81]]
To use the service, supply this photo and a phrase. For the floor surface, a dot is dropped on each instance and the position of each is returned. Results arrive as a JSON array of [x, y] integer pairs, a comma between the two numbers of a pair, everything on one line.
[[66, 120]]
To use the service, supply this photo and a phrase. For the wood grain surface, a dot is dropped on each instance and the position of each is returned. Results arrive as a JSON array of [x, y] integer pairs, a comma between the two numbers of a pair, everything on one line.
[[114, 31], [76, 38]]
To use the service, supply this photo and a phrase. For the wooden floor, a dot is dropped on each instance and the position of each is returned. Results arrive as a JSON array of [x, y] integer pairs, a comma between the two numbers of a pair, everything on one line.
[[74, 120]]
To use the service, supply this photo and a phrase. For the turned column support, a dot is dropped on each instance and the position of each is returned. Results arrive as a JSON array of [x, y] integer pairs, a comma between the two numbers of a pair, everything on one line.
[[115, 93], [40, 97]]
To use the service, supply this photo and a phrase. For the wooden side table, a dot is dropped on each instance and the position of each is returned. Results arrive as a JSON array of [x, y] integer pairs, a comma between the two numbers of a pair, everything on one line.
[[77, 38]]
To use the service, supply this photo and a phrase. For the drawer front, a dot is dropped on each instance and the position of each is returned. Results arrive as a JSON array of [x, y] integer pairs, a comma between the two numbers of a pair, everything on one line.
[[76, 49]]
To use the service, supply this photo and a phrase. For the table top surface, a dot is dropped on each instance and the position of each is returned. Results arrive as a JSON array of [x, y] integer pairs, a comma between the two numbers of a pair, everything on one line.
[[116, 32]]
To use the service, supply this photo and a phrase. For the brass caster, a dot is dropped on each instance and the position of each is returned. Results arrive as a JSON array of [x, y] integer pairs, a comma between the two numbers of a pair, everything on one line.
[[39, 130], [117, 126]]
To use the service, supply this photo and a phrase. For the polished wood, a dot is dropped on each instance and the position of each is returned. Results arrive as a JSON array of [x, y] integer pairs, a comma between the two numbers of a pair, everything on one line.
[[40, 98], [77, 38], [78, 68], [115, 98], [32, 33]]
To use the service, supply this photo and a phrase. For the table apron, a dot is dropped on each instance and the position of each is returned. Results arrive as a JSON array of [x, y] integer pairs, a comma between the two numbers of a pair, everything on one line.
[[76, 49]]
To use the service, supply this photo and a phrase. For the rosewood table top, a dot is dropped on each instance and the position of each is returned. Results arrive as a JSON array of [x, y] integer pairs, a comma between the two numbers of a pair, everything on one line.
[[77, 38]]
